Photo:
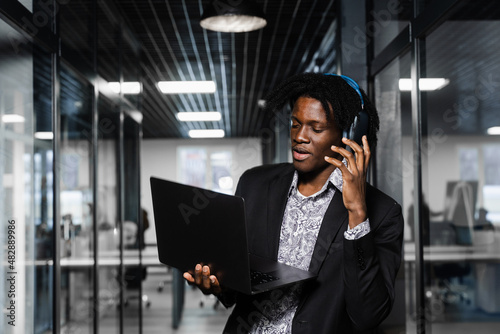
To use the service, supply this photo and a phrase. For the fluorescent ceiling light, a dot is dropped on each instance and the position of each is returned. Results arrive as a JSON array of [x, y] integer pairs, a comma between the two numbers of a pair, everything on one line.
[[427, 84], [12, 118], [215, 133], [44, 135], [182, 87], [203, 116], [494, 130], [129, 87], [114, 86]]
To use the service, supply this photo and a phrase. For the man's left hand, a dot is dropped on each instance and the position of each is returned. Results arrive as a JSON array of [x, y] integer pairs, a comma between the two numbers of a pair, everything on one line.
[[354, 178]]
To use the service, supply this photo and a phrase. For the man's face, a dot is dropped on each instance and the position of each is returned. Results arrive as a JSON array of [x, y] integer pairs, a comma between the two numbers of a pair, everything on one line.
[[312, 136]]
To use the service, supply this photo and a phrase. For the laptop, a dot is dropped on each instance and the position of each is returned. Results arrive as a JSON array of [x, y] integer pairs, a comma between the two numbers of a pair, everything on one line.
[[195, 225]]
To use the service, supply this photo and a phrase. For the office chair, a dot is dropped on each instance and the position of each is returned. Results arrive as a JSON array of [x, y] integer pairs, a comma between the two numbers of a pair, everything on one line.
[[460, 211], [133, 276], [459, 215]]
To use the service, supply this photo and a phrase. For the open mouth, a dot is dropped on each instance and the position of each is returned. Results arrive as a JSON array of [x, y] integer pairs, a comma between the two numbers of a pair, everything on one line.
[[300, 154]]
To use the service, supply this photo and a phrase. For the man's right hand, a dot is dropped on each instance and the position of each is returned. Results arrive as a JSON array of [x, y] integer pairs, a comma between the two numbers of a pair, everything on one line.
[[208, 284]]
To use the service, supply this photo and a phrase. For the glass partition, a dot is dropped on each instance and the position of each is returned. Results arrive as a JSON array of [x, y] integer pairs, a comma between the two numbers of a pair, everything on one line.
[[76, 201], [34, 201], [43, 191], [394, 139], [394, 170], [108, 216], [21, 189], [386, 20], [460, 89], [133, 230]]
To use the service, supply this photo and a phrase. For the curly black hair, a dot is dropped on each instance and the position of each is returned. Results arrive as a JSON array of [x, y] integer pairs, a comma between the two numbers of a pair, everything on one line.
[[333, 92]]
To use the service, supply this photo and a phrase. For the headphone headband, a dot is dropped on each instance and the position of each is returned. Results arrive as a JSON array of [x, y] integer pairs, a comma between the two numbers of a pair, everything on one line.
[[351, 83]]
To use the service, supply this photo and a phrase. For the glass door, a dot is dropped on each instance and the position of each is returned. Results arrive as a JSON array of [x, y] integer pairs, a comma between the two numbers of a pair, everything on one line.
[[394, 175], [134, 273], [76, 201], [460, 89], [25, 202]]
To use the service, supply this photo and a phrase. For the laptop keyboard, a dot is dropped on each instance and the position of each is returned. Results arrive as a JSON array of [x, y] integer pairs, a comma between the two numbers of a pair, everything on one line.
[[257, 277]]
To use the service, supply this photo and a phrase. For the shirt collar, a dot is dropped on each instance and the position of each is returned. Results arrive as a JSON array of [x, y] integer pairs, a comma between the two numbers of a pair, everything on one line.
[[335, 179]]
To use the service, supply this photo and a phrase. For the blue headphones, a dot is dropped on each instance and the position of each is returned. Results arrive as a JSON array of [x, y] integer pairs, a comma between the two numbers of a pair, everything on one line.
[[359, 126]]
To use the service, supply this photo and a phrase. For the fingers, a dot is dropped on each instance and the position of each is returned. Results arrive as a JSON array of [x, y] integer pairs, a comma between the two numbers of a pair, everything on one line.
[[205, 278], [197, 274], [202, 278], [357, 161], [187, 276], [336, 162], [367, 152], [349, 157], [354, 178], [216, 288]]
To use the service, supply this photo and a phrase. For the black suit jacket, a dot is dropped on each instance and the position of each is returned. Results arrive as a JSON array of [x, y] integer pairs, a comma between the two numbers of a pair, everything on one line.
[[354, 290]]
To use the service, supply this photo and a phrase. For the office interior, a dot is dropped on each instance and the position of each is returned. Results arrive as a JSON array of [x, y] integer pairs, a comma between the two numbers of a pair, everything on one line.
[[77, 149]]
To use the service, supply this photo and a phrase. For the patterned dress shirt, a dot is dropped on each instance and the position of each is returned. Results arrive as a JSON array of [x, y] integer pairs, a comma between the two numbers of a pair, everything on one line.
[[299, 231]]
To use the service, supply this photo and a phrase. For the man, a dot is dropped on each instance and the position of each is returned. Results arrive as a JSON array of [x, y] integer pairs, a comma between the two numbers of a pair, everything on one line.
[[318, 214]]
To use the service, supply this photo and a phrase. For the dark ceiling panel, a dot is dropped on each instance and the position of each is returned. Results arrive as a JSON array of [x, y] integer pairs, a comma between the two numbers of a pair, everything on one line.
[[244, 65]]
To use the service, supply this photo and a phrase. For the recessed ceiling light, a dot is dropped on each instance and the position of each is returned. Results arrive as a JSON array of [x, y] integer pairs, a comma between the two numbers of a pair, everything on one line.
[[202, 116], [426, 84], [212, 133], [128, 87], [494, 130], [182, 87], [12, 118]]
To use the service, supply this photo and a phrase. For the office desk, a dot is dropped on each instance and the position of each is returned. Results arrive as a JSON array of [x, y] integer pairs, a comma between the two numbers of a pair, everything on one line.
[[484, 256], [454, 253], [149, 258], [105, 259], [109, 259]]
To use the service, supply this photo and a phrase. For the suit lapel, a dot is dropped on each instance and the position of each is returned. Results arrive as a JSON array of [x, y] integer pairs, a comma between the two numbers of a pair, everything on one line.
[[277, 197], [335, 217]]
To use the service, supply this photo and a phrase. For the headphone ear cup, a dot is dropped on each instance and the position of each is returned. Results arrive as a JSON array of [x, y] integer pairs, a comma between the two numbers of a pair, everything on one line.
[[358, 128], [360, 125], [345, 133], [348, 133], [351, 132]]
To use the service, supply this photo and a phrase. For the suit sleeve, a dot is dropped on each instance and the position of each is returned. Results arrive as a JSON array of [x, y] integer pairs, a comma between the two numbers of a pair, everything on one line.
[[370, 267]]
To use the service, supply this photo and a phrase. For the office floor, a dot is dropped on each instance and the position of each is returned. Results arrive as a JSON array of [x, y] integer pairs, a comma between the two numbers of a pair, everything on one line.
[[207, 320], [157, 318]]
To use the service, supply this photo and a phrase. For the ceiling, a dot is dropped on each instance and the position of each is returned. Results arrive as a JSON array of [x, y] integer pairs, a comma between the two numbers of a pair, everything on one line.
[[244, 66], [300, 36]]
